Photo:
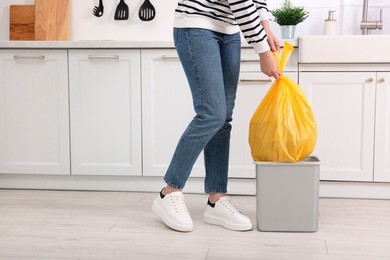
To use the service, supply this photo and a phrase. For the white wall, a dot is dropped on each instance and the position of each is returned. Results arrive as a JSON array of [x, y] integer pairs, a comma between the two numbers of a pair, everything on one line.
[[85, 26]]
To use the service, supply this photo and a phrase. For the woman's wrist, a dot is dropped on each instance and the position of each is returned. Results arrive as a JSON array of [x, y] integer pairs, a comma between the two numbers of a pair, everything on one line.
[[266, 26]]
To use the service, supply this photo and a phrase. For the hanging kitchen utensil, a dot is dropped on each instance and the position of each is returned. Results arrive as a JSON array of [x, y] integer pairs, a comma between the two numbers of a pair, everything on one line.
[[146, 11], [98, 10], [122, 11]]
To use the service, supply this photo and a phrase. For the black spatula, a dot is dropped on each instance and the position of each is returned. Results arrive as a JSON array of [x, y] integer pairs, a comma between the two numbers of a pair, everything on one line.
[[146, 11], [122, 11], [98, 10]]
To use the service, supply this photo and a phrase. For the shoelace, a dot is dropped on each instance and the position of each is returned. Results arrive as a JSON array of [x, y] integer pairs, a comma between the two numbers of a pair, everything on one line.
[[230, 206], [179, 204]]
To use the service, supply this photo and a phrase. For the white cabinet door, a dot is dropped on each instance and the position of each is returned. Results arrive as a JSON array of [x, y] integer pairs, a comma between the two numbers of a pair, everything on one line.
[[34, 114], [344, 106], [252, 88], [105, 112], [167, 110], [382, 128]]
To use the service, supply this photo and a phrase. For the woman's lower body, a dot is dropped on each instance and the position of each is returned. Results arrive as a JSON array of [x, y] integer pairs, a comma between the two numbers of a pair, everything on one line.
[[211, 62]]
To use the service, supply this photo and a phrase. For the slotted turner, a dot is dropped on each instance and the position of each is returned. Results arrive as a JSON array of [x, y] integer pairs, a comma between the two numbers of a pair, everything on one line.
[[98, 10], [146, 11], [122, 11]]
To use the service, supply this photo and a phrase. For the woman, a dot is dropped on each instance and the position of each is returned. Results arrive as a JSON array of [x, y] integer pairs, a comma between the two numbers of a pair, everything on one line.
[[207, 39]]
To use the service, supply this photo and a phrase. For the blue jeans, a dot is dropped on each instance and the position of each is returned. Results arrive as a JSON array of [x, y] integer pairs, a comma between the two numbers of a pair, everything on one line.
[[211, 62]]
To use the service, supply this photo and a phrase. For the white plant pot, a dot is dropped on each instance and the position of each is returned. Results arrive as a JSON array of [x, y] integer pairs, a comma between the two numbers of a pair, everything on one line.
[[288, 31]]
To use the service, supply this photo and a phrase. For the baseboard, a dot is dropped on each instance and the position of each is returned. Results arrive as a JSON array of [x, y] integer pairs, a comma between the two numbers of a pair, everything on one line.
[[330, 189]]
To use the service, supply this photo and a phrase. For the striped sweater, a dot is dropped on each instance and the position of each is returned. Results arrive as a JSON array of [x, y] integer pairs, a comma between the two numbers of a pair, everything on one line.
[[226, 16]]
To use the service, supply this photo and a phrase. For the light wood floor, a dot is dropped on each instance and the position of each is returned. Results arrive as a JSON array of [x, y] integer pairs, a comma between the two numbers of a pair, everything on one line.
[[65, 225]]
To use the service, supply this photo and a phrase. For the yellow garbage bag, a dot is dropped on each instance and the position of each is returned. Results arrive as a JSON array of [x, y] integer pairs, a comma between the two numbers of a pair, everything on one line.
[[283, 127]]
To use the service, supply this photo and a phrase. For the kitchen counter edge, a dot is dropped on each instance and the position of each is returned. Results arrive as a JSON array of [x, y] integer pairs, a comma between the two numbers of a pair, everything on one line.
[[101, 44]]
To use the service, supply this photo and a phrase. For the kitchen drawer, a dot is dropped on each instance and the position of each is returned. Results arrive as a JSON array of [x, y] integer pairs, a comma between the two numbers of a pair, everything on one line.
[[250, 61]]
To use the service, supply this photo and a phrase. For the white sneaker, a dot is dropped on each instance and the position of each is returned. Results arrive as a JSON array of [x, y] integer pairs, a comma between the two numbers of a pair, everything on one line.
[[173, 211], [225, 214]]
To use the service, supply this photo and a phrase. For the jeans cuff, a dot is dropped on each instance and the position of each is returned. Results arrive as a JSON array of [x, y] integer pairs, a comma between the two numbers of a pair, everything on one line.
[[173, 185], [215, 191]]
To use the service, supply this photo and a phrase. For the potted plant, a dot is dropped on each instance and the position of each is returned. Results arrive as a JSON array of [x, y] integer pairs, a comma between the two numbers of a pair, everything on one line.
[[288, 16]]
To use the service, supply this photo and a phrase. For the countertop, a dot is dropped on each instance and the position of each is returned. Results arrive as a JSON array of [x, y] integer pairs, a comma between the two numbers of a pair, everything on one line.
[[101, 44]]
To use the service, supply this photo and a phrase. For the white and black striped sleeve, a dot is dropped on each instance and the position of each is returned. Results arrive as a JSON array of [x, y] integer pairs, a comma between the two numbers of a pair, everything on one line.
[[246, 14], [262, 9]]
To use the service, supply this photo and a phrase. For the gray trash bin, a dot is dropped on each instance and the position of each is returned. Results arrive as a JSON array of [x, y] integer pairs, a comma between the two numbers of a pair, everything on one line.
[[287, 195]]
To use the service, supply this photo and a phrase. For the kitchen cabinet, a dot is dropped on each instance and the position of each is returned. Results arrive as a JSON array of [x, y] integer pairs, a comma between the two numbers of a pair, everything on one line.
[[167, 109], [353, 118], [77, 110], [382, 128], [252, 88], [34, 112], [105, 112]]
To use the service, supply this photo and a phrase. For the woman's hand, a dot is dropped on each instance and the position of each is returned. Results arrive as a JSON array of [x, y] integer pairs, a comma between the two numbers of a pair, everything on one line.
[[268, 64], [273, 42]]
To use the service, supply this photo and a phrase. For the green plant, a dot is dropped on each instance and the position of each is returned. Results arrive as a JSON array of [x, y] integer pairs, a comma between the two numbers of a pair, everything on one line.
[[288, 14]]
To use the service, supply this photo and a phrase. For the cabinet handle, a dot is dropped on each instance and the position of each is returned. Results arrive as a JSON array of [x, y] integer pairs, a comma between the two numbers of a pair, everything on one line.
[[256, 80], [249, 60], [369, 80], [108, 57], [382, 80], [21, 57], [167, 57]]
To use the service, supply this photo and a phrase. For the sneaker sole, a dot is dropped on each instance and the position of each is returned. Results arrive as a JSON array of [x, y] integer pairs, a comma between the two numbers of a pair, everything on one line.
[[178, 227], [210, 219]]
